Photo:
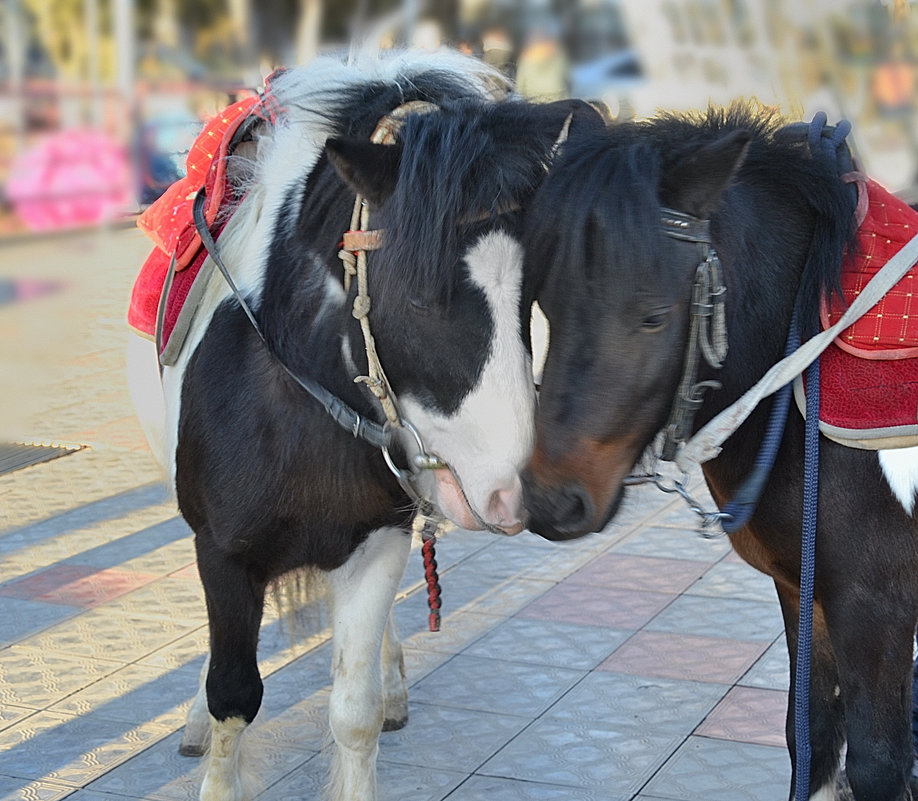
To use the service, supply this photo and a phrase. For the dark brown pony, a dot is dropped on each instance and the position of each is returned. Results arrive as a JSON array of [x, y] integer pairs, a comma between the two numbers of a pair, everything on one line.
[[617, 289]]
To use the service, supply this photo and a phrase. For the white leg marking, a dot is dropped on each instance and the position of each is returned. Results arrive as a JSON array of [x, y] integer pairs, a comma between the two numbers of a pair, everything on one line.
[[196, 736], [223, 782], [900, 466], [825, 793], [362, 592], [395, 688]]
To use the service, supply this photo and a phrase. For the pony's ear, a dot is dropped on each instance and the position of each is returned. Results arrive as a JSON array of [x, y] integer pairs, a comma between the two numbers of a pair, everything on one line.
[[573, 116], [695, 184], [370, 170]]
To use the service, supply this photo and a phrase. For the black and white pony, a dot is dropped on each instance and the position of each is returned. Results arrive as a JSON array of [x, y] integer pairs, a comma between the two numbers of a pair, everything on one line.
[[267, 480], [621, 229]]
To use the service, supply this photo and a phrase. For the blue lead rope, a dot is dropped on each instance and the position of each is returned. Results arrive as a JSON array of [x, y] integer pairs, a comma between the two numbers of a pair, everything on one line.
[[807, 571], [742, 505]]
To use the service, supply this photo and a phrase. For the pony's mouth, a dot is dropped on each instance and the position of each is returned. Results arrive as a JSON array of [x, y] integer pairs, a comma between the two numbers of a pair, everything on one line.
[[502, 515], [566, 511]]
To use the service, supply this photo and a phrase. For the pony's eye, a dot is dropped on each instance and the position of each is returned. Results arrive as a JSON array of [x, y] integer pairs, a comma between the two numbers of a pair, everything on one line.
[[656, 320], [420, 306]]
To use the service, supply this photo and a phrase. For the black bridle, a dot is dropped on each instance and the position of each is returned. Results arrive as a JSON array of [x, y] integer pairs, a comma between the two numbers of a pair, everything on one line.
[[707, 327]]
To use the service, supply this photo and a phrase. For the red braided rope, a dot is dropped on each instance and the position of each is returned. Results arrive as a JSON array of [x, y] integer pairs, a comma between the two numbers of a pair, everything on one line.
[[433, 580]]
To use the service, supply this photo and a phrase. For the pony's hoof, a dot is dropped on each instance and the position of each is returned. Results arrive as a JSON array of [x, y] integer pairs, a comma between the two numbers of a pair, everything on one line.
[[392, 724], [192, 750]]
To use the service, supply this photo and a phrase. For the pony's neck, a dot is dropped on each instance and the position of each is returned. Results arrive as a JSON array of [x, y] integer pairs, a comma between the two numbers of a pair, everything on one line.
[[763, 248]]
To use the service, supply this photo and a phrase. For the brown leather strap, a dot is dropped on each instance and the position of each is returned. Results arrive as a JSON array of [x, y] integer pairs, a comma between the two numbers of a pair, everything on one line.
[[363, 240]]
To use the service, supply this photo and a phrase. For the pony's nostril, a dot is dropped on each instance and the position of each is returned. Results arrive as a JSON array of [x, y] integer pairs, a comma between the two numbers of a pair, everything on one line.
[[505, 505], [575, 510], [557, 513]]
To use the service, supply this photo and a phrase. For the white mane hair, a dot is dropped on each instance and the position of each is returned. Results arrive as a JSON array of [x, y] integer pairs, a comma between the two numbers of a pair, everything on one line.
[[310, 99]]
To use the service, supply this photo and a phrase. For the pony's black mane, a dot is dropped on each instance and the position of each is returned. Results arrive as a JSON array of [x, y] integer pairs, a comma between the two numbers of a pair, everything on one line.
[[607, 186], [460, 168]]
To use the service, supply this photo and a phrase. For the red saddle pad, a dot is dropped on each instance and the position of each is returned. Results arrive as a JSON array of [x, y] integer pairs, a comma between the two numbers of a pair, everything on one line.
[[869, 375], [168, 222]]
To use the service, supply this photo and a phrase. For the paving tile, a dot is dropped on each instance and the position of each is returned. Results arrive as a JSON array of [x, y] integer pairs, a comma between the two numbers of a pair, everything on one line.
[[22, 619], [727, 617], [10, 715], [546, 642], [678, 515], [464, 589], [685, 656], [493, 788], [101, 633], [734, 580], [772, 670], [299, 725], [749, 715], [632, 572], [298, 680], [718, 770], [75, 585], [567, 560], [129, 540], [182, 651], [70, 750], [507, 558], [85, 513], [458, 630], [421, 662], [164, 560], [27, 588], [396, 782], [663, 706], [616, 760], [137, 692], [24, 790], [572, 602], [491, 685], [674, 543], [36, 678], [159, 772], [447, 738], [181, 597]]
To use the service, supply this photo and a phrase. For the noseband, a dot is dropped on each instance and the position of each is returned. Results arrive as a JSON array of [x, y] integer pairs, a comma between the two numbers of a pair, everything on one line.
[[707, 327]]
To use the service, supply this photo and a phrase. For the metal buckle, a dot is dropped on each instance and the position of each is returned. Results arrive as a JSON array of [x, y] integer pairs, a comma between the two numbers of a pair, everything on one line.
[[422, 460]]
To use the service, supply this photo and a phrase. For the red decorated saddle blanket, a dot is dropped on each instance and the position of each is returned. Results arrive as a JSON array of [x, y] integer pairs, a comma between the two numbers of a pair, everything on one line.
[[869, 375], [168, 222]]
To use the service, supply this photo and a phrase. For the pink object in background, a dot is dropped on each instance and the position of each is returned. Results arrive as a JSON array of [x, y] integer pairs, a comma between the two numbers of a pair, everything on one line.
[[70, 179]]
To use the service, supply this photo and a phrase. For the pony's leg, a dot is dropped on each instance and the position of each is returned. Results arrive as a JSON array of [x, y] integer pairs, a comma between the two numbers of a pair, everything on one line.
[[873, 636], [827, 729], [395, 688], [362, 592], [196, 736], [235, 601]]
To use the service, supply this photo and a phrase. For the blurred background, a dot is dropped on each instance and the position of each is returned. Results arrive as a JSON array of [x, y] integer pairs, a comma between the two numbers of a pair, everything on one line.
[[101, 99]]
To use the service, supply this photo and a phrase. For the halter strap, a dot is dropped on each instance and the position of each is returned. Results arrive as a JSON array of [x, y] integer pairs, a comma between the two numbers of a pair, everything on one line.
[[367, 430], [707, 327]]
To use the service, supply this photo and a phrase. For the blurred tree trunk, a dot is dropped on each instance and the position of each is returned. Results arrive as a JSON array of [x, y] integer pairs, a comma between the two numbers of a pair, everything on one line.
[[308, 30]]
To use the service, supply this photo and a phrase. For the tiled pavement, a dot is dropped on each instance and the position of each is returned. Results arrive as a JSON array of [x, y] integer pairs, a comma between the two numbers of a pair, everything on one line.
[[641, 663]]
